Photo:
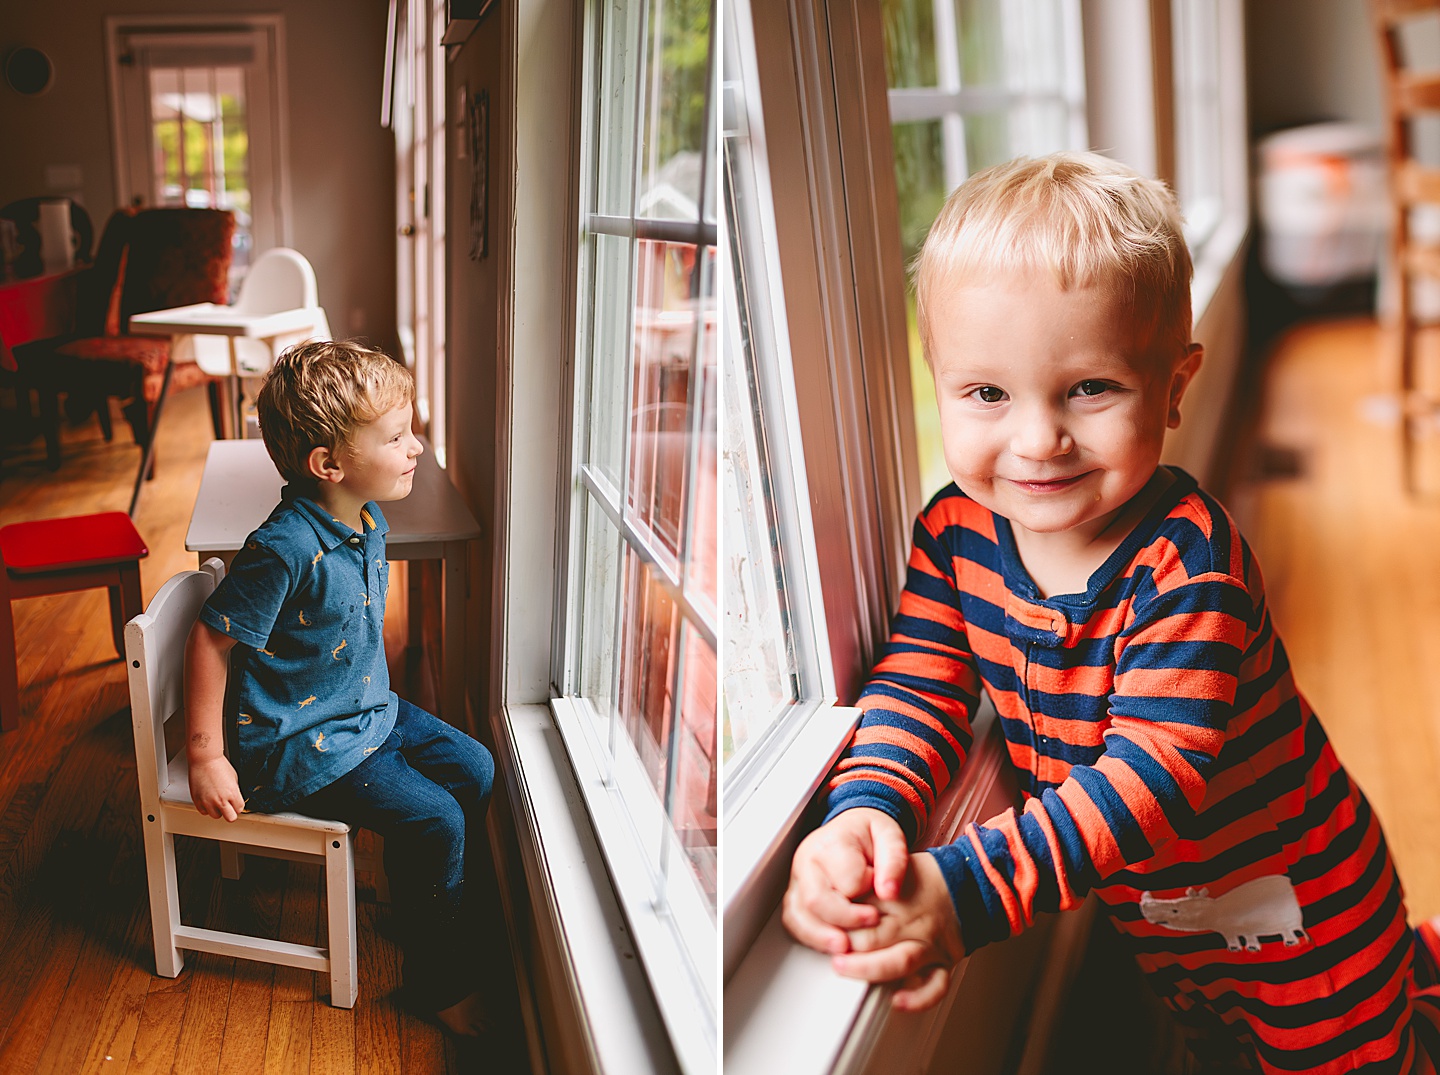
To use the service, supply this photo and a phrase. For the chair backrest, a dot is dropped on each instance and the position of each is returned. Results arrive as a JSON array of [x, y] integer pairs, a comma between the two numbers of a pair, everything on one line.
[[155, 660], [176, 257], [280, 279]]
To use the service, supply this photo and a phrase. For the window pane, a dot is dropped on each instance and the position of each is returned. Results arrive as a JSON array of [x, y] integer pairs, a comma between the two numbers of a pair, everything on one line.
[[598, 604], [665, 327], [619, 71], [910, 42], [607, 344], [693, 807], [650, 629], [700, 578], [678, 42]]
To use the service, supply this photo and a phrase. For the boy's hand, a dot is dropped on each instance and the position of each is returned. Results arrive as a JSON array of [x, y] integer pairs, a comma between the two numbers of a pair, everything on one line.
[[858, 854], [915, 943], [215, 790]]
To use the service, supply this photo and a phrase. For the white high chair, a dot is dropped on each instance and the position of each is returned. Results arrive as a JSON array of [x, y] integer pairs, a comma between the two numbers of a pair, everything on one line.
[[155, 654], [281, 279]]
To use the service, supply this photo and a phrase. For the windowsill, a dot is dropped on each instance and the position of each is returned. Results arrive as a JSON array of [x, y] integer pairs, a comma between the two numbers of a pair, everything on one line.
[[761, 831], [1214, 259], [566, 871], [786, 1010]]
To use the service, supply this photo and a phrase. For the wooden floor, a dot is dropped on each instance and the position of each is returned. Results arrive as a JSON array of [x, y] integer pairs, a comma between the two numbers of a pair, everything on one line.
[[1352, 569], [77, 992]]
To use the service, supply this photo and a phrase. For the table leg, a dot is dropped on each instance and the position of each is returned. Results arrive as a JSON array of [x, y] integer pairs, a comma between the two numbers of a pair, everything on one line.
[[455, 566], [237, 426], [149, 452]]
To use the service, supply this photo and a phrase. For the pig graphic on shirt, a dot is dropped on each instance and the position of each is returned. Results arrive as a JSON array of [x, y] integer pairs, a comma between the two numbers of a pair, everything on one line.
[[1263, 907]]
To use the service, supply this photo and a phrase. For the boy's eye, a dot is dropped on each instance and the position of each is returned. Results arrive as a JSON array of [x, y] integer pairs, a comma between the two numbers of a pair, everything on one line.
[[1091, 388], [988, 393]]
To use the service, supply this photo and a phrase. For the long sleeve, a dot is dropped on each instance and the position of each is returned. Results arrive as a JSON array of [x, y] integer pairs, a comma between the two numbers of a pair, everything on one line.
[[1177, 668], [915, 732]]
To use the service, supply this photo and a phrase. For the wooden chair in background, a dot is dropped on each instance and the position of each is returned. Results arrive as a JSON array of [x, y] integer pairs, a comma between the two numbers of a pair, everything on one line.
[[155, 651], [152, 259], [1410, 94]]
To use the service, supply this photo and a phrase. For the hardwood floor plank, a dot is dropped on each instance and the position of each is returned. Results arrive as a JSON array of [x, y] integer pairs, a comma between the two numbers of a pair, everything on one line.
[[377, 1016], [294, 995], [202, 1033], [159, 1032]]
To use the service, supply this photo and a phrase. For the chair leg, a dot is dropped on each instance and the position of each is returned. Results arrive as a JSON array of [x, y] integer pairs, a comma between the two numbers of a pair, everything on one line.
[[232, 862], [164, 896], [217, 421], [340, 919], [50, 424], [9, 663], [125, 603], [102, 412]]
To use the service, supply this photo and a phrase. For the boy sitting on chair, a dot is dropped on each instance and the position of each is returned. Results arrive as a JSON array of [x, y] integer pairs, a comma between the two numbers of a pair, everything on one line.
[[1117, 619], [298, 621]]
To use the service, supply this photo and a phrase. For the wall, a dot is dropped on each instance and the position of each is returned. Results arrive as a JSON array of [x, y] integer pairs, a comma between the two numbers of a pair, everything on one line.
[[1311, 60], [341, 160]]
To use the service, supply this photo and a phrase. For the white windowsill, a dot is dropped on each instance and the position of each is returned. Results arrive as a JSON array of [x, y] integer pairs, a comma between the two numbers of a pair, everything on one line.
[[787, 1011], [623, 1029], [761, 831]]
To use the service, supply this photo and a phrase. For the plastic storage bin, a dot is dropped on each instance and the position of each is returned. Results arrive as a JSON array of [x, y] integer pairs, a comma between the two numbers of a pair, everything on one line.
[[1322, 204]]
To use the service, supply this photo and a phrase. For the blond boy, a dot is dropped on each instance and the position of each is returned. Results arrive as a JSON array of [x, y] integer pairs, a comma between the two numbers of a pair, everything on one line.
[[297, 627], [1117, 619]]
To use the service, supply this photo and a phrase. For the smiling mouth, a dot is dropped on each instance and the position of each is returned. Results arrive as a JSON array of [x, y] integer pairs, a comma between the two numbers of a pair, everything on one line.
[[1054, 485]]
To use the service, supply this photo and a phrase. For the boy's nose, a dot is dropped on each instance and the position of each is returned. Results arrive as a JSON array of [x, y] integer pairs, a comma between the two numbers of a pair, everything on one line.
[[1040, 436]]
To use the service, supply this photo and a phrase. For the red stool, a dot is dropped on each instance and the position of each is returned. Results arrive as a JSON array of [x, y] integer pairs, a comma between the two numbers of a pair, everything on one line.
[[57, 556]]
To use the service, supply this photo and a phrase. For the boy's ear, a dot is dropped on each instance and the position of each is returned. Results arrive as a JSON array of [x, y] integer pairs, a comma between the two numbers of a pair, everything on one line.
[[323, 465], [1185, 371]]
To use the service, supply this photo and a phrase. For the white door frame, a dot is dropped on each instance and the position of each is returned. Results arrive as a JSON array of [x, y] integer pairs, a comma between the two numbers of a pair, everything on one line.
[[271, 222]]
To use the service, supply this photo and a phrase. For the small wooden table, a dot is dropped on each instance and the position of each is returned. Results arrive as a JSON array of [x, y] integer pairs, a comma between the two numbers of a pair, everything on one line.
[[240, 486]]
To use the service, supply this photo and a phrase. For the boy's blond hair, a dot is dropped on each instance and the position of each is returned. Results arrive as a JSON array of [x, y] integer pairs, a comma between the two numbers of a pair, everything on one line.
[[319, 393], [1084, 218]]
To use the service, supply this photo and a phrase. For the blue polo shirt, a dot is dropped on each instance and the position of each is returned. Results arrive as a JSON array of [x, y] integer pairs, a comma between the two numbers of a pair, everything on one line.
[[309, 691]]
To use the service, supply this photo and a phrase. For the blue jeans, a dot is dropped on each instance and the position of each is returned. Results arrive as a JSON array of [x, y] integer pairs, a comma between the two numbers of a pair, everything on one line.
[[425, 790]]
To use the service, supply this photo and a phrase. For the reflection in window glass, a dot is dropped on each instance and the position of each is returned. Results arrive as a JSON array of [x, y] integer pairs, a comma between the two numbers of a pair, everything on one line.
[[642, 617]]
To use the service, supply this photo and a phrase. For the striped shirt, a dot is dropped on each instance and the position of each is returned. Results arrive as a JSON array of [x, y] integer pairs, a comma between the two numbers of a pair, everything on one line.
[[1169, 764]]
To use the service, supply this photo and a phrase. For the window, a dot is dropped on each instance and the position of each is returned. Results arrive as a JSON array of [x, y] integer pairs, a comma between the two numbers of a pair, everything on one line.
[[636, 667], [1199, 148], [417, 116], [198, 121], [972, 83]]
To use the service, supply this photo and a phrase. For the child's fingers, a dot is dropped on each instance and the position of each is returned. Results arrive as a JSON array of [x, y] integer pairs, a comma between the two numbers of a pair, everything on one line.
[[886, 964], [820, 920], [891, 856], [923, 990]]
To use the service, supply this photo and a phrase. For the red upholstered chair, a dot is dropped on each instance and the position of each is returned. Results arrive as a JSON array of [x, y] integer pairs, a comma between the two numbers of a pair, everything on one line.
[[152, 259], [51, 556]]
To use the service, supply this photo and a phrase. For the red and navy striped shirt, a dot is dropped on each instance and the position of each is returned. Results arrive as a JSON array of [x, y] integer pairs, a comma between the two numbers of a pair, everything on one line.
[[1164, 749]]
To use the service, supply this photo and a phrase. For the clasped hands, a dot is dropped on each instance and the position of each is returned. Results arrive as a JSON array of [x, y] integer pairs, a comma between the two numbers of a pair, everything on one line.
[[881, 913]]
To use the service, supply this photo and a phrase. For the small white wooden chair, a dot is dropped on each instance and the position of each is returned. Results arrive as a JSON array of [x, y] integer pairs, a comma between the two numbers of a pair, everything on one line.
[[155, 652]]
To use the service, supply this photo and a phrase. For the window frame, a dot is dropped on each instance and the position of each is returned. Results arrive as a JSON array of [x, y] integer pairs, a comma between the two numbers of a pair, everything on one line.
[[682, 975]]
